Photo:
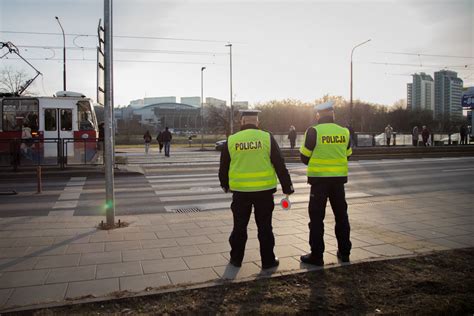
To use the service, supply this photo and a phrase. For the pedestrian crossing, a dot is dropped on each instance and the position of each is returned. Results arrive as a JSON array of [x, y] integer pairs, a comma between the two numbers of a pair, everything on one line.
[[202, 191], [179, 185]]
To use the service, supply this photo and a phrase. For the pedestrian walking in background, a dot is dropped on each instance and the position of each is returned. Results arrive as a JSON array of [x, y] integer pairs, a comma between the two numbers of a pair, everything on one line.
[[325, 151], [292, 136], [425, 135], [250, 163], [388, 134], [415, 135], [167, 137], [147, 138], [463, 131], [159, 139]]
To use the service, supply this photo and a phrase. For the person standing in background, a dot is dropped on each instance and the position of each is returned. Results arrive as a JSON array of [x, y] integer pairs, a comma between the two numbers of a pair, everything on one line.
[[167, 137], [159, 139], [388, 134], [147, 138], [415, 135], [292, 136], [425, 135]]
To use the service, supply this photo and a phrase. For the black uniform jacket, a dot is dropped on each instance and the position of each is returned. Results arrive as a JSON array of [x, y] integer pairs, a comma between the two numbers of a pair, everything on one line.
[[275, 157], [310, 143]]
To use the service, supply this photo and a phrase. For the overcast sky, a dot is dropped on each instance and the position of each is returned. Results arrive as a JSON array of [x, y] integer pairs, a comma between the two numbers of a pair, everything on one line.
[[281, 49]]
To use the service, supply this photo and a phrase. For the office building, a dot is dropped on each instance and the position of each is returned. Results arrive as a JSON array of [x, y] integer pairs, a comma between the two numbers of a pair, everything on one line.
[[448, 95], [420, 93]]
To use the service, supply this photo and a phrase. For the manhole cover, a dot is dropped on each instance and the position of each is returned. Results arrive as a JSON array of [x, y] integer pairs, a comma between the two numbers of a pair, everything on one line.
[[187, 210]]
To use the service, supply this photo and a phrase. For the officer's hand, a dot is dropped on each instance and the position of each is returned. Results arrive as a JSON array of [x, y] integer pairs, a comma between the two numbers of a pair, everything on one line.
[[290, 191], [226, 190]]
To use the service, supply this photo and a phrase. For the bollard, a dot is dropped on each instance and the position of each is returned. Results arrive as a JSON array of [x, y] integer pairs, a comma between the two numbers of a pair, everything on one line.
[[38, 178]]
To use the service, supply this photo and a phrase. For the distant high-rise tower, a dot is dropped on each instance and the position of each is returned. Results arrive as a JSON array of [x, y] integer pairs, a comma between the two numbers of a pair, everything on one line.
[[422, 92], [448, 95], [409, 95]]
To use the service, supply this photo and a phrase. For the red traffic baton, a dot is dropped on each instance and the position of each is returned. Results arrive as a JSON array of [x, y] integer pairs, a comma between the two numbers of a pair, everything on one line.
[[285, 203]]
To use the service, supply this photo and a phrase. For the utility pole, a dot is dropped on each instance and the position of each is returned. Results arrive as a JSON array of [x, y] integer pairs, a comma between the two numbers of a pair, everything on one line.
[[352, 53], [108, 119], [64, 54], [202, 107], [231, 104]]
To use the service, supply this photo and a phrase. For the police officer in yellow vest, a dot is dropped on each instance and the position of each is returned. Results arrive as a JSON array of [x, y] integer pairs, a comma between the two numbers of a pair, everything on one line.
[[249, 167], [325, 151]]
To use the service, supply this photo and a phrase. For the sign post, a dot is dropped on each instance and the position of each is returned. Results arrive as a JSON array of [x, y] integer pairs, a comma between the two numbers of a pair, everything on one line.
[[108, 117]]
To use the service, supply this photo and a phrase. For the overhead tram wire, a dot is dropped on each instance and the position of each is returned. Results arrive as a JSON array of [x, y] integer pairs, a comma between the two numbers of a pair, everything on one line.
[[120, 36], [130, 50], [461, 67], [429, 55], [124, 61]]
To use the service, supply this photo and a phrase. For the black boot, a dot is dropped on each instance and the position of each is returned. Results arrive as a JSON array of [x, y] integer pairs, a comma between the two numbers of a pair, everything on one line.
[[311, 259]]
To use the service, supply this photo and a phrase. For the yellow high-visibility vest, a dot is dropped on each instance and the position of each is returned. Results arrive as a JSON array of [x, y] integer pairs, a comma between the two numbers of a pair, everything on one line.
[[329, 157], [251, 169]]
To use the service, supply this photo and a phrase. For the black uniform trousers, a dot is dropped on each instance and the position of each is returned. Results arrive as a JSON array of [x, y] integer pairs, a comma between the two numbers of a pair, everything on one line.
[[263, 204], [320, 192]]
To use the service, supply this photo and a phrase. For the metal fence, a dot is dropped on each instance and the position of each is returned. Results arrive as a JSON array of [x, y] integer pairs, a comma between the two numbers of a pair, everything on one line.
[[377, 140], [50, 152]]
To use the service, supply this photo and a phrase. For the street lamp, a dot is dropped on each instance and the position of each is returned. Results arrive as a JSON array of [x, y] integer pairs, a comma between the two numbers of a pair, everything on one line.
[[351, 75], [202, 107], [64, 54], [231, 105]]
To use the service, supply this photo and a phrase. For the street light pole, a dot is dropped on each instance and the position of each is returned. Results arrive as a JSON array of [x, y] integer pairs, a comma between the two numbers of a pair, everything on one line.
[[231, 104], [202, 107], [352, 53], [108, 116], [64, 54]]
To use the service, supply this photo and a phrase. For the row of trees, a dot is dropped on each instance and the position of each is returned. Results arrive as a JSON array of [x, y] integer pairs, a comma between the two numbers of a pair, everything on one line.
[[278, 116]]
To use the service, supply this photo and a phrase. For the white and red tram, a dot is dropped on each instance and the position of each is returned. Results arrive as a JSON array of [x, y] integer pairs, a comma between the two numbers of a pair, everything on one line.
[[60, 119]]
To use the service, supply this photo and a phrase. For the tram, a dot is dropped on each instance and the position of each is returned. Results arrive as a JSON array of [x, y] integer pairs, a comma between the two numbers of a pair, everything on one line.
[[66, 118]]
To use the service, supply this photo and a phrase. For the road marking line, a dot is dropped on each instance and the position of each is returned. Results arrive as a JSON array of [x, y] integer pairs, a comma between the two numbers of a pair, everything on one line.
[[196, 197], [155, 181], [187, 191], [65, 204], [69, 198], [61, 213], [181, 176], [456, 170], [182, 185]]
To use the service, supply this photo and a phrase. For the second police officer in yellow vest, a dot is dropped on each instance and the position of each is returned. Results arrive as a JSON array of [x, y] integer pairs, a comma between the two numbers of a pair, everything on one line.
[[249, 167], [325, 151]]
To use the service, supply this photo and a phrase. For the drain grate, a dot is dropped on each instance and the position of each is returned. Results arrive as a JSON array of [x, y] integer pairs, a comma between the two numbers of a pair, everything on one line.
[[187, 210]]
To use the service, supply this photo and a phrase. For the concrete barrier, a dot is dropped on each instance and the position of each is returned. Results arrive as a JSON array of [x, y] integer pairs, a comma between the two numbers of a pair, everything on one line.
[[368, 153]]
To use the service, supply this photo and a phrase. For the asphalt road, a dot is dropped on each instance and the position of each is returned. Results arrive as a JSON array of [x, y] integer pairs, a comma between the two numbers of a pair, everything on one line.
[[188, 182]]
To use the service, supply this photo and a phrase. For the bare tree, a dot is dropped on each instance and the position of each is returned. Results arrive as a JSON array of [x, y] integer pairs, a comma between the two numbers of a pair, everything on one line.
[[12, 79], [400, 104]]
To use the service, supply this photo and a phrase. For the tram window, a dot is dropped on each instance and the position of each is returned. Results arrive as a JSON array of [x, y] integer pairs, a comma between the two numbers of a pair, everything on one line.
[[84, 116], [19, 112], [66, 120], [50, 120]]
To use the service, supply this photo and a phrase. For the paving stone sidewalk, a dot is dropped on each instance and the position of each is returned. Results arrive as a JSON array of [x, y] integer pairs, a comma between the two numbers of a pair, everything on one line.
[[54, 259]]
